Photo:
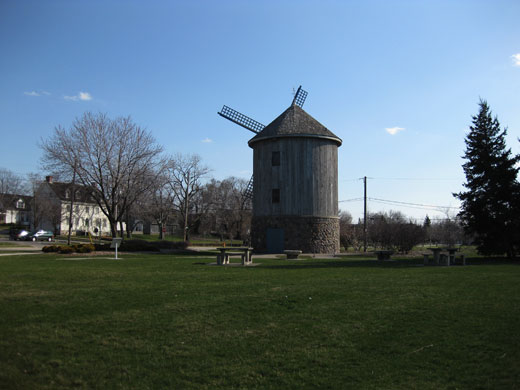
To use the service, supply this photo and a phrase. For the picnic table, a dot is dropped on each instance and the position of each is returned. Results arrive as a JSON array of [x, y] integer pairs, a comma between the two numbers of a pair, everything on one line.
[[450, 257], [436, 254], [246, 254], [383, 255]]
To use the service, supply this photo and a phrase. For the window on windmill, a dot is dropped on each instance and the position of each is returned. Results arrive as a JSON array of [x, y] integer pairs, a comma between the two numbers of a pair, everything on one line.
[[276, 195], [275, 159]]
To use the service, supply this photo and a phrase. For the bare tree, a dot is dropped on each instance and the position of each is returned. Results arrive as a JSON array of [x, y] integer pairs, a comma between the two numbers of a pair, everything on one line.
[[225, 212], [157, 204], [113, 157], [10, 184], [185, 173], [393, 231]]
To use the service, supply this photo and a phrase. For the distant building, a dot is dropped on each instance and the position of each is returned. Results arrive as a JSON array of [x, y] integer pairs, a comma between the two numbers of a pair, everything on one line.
[[16, 209], [52, 209]]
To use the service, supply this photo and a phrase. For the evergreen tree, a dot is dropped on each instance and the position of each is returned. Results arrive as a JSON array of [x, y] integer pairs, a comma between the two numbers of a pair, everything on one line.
[[490, 204]]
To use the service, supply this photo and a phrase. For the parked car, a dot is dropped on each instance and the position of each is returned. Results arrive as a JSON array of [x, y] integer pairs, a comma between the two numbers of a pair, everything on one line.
[[18, 234], [40, 235]]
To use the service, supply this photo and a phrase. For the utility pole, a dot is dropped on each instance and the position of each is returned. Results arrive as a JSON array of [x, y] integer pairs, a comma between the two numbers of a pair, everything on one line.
[[186, 205], [365, 215], [72, 195]]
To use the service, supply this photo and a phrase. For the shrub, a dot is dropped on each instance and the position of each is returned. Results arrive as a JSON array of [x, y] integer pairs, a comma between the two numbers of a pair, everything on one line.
[[50, 248], [101, 247], [65, 249], [137, 246], [89, 247]]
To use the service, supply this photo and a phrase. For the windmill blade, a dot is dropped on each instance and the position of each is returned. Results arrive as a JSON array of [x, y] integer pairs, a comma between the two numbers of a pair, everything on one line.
[[299, 97], [241, 119], [248, 193]]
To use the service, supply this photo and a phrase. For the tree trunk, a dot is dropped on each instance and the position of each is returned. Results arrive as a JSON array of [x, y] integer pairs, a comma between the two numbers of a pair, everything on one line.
[[113, 228]]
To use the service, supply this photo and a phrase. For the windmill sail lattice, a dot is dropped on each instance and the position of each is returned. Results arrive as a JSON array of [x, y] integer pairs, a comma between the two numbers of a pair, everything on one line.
[[241, 119], [299, 97], [248, 193]]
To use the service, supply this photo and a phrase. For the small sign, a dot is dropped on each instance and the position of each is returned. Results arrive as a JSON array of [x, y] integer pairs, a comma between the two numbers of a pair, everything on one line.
[[116, 242]]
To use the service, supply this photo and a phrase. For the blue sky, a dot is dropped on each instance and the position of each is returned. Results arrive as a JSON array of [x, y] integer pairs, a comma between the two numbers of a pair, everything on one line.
[[398, 81]]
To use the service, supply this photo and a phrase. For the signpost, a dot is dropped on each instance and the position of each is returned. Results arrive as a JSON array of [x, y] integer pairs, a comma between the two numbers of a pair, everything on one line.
[[115, 244]]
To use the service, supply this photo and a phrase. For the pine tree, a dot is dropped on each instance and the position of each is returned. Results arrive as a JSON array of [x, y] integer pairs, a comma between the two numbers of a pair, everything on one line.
[[490, 204]]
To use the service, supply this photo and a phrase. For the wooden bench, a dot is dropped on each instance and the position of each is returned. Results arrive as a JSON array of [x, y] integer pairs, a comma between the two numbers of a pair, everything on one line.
[[245, 253], [292, 253]]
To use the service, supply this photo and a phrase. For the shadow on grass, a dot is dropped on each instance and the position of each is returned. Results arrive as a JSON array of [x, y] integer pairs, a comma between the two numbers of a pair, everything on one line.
[[372, 263], [188, 252]]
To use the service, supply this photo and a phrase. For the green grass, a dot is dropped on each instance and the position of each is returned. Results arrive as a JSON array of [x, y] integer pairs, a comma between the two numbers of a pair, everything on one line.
[[9, 244], [162, 321]]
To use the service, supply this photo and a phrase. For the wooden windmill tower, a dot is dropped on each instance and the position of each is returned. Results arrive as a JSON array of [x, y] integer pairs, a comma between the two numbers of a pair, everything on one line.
[[295, 186]]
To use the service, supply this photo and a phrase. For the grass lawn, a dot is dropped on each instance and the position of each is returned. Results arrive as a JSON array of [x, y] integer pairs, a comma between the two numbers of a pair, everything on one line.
[[170, 322]]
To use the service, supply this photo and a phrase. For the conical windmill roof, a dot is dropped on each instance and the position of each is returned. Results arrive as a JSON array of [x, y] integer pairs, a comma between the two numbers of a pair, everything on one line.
[[294, 122]]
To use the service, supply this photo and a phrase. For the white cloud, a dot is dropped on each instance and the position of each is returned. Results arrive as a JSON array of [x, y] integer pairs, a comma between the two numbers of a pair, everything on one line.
[[80, 96], [36, 93], [207, 140], [393, 130], [85, 96], [516, 59]]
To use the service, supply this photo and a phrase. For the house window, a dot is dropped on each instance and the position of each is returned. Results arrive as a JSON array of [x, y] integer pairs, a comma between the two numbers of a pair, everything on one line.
[[87, 209], [104, 223], [276, 195], [20, 204], [275, 159], [67, 194]]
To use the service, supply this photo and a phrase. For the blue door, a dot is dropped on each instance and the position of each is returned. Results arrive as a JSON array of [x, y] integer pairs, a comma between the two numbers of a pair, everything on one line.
[[274, 240]]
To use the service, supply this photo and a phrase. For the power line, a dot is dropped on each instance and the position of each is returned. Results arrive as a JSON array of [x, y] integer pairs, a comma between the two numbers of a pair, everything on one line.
[[409, 178], [412, 205], [350, 200]]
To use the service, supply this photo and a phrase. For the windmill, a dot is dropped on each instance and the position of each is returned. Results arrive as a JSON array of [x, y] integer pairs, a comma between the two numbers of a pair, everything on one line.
[[255, 127]]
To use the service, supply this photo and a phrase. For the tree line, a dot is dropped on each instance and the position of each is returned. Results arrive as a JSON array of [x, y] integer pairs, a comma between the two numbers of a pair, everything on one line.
[[393, 230]]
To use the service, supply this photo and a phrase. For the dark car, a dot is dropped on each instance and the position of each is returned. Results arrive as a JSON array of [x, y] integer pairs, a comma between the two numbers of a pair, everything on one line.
[[40, 235], [18, 234]]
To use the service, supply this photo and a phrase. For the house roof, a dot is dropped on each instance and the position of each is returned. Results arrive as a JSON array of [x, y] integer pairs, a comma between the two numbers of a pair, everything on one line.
[[294, 122], [9, 201], [64, 192]]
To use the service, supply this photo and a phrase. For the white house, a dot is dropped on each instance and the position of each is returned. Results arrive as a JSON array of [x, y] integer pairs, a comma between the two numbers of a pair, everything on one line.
[[53, 200], [16, 209]]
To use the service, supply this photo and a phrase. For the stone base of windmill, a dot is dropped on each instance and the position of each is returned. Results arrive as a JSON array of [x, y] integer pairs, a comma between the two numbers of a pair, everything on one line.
[[307, 234]]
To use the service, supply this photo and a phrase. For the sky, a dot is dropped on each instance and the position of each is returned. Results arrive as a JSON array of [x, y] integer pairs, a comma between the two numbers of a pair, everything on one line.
[[397, 81]]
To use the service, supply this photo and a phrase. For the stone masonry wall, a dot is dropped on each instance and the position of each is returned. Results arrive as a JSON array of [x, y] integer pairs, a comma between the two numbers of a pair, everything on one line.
[[308, 234]]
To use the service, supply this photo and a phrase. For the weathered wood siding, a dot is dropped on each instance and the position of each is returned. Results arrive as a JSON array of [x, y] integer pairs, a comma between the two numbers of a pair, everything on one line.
[[307, 177]]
